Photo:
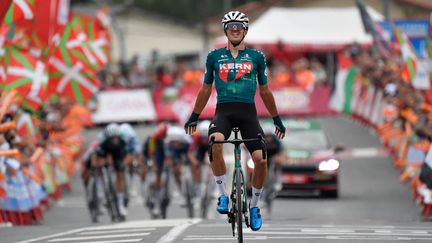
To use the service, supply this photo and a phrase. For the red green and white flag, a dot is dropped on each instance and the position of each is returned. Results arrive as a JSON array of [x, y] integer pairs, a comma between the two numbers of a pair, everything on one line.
[[99, 41], [70, 76], [20, 10], [76, 40], [26, 74], [72, 65], [103, 17], [408, 54]]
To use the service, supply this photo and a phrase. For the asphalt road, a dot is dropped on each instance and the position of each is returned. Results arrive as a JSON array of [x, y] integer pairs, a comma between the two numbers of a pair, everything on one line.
[[373, 207]]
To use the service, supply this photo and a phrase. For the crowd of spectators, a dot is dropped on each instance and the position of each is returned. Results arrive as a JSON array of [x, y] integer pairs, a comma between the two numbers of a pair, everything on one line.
[[407, 125], [284, 70]]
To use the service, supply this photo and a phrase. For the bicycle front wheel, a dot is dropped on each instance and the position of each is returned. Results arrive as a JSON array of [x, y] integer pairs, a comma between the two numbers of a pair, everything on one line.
[[239, 204]]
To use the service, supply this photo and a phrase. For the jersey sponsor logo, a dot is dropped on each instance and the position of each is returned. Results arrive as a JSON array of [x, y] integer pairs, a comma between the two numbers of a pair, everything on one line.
[[239, 68]]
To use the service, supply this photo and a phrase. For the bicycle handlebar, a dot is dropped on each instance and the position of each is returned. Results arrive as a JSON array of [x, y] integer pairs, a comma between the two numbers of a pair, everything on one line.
[[238, 142]]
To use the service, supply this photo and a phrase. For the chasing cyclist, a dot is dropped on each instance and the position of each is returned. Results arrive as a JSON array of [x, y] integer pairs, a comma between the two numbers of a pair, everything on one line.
[[113, 150], [154, 151], [235, 70], [197, 155]]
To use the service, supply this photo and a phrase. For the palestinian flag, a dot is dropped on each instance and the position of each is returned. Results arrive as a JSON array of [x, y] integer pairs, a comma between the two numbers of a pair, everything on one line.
[[345, 78], [26, 74], [20, 10], [408, 55]]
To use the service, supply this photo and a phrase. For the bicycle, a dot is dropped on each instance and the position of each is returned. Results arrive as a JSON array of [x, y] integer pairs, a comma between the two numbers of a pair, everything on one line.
[[93, 202], [188, 189], [150, 201], [238, 195]]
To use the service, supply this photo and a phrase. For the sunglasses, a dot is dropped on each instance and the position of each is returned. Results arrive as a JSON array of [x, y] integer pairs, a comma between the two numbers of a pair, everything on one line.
[[234, 26]]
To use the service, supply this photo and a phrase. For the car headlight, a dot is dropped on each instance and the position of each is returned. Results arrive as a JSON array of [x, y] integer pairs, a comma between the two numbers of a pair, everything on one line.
[[250, 164], [329, 165]]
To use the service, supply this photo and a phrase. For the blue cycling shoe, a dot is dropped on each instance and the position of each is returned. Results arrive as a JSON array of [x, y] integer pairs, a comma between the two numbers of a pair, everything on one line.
[[223, 202], [255, 218]]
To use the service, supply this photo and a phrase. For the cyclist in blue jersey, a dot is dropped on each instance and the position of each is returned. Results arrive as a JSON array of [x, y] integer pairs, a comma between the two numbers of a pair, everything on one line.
[[236, 70]]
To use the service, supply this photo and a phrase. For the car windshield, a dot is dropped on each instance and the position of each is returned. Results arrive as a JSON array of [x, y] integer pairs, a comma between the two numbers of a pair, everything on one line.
[[310, 139]]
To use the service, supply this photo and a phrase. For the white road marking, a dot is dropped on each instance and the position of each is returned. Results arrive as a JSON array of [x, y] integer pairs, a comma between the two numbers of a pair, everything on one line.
[[52, 236], [116, 241], [115, 231], [176, 231], [144, 225], [332, 233], [98, 237]]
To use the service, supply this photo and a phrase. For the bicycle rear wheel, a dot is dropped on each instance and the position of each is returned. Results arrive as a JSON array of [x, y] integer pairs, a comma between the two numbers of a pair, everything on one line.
[[239, 204]]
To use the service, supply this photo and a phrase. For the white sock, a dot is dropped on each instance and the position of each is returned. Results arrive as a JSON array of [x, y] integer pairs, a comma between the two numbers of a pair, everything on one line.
[[256, 193], [99, 188], [120, 198], [220, 185]]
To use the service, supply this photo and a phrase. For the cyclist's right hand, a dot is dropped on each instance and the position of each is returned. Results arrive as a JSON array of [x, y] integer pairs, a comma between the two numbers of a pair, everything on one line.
[[280, 128], [191, 124]]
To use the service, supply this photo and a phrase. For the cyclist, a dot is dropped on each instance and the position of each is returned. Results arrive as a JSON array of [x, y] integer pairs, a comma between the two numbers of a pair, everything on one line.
[[113, 149], [235, 70], [154, 150], [197, 153], [177, 145], [274, 157], [134, 150], [132, 141]]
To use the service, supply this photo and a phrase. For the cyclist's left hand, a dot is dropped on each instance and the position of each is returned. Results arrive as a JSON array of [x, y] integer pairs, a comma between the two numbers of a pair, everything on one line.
[[280, 128]]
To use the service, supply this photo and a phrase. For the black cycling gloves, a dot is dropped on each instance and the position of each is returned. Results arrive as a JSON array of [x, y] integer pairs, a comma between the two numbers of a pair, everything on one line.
[[280, 128], [191, 124]]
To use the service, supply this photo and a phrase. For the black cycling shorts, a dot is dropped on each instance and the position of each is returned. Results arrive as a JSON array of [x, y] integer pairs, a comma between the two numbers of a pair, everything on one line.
[[426, 175], [241, 115]]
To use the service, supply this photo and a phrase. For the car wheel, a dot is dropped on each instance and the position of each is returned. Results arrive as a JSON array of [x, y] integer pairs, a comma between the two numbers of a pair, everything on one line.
[[330, 194]]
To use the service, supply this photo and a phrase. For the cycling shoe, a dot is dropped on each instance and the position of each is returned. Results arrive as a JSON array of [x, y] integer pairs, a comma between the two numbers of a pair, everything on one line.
[[255, 218], [223, 202]]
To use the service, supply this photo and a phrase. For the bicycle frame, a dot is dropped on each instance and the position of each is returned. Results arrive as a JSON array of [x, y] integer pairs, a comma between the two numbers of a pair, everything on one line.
[[238, 191]]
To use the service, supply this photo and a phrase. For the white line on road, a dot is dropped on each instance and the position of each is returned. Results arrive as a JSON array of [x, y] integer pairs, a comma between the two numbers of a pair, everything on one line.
[[333, 233], [219, 238], [176, 231], [116, 241], [115, 231], [98, 237], [52, 236]]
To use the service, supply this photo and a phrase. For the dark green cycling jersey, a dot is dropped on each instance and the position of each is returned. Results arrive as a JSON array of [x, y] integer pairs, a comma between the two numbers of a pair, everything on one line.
[[235, 78]]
